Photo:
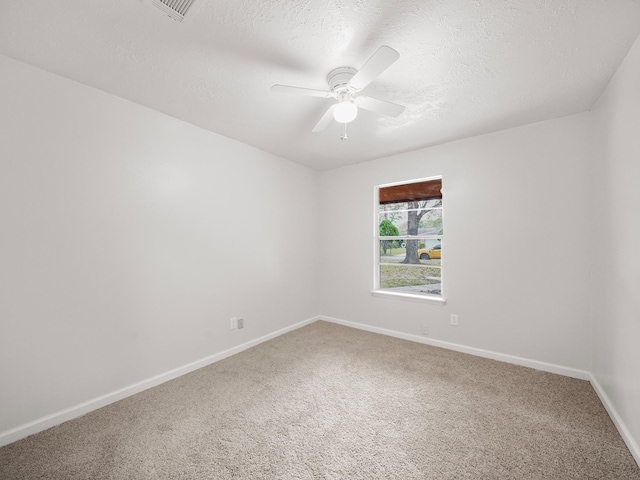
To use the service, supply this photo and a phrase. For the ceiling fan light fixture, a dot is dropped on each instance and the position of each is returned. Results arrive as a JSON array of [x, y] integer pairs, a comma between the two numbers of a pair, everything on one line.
[[345, 85], [345, 112]]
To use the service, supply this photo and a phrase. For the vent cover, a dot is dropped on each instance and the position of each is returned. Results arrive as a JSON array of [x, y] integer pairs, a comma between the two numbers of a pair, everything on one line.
[[176, 9]]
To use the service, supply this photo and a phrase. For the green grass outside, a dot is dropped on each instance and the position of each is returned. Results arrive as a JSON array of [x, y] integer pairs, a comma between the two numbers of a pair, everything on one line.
[[392, 276]]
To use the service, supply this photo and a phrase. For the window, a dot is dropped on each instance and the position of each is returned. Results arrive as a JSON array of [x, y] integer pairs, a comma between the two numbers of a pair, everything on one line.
[[408, 239]]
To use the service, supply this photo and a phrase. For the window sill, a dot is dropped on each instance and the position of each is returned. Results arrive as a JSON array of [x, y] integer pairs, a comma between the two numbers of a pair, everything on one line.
[[433, 299]]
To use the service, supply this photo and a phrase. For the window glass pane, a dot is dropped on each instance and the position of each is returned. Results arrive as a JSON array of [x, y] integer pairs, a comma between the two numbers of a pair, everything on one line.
[[417, 218], [411, 278], [415, 251]]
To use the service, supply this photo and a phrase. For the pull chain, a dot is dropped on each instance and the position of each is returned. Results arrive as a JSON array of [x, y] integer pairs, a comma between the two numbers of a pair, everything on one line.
[[344, 135]]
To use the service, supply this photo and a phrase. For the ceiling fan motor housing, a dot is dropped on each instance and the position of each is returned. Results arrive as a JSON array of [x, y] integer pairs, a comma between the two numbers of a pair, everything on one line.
[[338, 79]]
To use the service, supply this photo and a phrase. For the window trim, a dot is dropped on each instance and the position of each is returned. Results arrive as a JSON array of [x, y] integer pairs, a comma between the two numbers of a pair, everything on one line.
[[412, 297], [379, 292]]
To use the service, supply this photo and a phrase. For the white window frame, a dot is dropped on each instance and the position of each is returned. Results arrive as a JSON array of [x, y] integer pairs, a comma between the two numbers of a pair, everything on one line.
[[379, 292]]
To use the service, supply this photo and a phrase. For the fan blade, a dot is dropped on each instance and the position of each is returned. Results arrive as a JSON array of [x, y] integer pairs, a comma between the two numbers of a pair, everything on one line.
[[325, 120], [377, 63], [301, 91], [379, 106]]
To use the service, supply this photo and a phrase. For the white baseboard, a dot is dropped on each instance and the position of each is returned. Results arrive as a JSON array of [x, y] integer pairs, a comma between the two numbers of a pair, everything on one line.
[[525, 362], [615, 418], [43, 423], [57, 418]]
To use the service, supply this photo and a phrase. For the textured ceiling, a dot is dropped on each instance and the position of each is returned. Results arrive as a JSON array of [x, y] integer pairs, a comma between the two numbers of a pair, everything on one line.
[[466, 67]]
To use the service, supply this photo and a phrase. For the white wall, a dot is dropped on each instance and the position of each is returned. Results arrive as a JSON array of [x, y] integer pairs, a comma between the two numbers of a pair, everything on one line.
[[516, 257], [128, 239], [616, 242]]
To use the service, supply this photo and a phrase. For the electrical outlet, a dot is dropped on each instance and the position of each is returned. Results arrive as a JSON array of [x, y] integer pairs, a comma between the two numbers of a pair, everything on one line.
[[454, 320], [424, 329], [240, 323], [234, 323]]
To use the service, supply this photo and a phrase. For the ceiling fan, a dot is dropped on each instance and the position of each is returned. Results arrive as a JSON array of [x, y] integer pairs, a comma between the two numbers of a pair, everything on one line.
[[344, 85]]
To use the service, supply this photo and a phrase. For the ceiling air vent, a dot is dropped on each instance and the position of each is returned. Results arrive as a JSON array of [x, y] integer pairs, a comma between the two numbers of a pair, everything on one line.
[[176, 9]]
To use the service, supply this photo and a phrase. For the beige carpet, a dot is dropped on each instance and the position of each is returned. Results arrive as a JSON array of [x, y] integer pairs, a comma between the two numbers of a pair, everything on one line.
[[330, 402]]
